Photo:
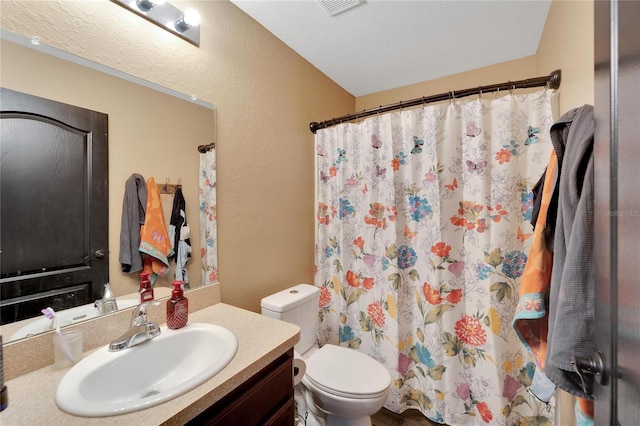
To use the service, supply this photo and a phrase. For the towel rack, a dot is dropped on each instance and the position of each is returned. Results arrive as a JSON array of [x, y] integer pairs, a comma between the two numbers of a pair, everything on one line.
[[169, 188]]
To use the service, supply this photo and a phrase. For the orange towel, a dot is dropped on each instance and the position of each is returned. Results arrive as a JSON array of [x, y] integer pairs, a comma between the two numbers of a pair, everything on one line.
[[155, 244], [531, 320]]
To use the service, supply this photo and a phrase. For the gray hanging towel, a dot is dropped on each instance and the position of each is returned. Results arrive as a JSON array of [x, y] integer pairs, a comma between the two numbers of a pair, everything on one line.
[[572, 294], [179, 233], [133, 212]]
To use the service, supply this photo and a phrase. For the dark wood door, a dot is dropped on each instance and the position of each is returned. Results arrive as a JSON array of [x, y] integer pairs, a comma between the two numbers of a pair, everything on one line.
[[617, 210], [54, 205]]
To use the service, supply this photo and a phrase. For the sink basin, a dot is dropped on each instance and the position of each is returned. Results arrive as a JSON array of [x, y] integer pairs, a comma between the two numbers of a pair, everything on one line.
[[112, 383], [66, 317]]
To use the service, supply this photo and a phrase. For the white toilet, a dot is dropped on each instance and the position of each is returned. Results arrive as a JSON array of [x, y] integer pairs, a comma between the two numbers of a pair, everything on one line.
[[341, 386]]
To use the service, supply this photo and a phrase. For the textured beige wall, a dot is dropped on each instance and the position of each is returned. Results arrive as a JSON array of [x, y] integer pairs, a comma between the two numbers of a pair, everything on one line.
[[568, 43], [265, 95]]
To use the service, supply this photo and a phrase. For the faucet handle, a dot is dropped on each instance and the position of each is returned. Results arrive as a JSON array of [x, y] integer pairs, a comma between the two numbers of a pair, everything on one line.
[[139, 315]]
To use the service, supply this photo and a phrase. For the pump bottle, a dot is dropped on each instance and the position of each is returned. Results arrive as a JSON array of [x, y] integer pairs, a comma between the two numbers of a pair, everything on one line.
[[146, 291], [177, 307]]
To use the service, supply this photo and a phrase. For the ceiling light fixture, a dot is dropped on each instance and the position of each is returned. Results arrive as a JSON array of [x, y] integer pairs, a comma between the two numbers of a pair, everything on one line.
[[147, 5], [190, 19], [185, 25]]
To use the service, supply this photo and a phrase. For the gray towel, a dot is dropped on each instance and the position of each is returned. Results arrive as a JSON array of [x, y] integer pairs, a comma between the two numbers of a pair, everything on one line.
[[571, 299], [133, 212]]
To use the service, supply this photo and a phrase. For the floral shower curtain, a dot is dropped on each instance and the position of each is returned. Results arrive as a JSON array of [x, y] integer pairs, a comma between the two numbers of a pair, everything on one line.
[[208, 217], [422, 233]]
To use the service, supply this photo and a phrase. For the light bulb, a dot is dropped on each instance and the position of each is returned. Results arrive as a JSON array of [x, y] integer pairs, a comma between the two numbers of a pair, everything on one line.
[[147, 5], [191, 17]]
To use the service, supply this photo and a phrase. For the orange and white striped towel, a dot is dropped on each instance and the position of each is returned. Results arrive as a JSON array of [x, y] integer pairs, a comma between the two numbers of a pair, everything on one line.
[[155, 244]]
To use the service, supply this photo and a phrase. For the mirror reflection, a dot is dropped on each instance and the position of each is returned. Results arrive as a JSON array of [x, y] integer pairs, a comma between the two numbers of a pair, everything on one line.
[[152, 132]]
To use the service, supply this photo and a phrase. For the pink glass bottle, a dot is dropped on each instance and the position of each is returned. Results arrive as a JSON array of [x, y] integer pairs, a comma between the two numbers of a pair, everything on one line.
[[177, 307], [146, 291]]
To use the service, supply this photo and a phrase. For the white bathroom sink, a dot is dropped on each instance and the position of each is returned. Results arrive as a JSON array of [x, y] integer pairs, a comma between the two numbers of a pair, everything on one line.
[[111, 383], [66, 317]]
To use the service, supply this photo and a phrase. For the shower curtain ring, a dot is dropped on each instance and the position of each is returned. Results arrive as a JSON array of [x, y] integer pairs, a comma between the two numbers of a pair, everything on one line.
[[479, 92], [497, 93]]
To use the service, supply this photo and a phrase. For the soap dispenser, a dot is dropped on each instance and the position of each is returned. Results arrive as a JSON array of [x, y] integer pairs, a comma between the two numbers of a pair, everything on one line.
[[146, 291], [177, 307]]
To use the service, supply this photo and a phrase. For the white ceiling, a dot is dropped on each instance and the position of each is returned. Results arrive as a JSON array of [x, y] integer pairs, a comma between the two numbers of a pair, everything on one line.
[[385, 44]]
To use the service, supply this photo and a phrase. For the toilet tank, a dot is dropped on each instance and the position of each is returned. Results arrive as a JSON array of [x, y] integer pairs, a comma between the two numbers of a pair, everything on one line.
[[297, 305]]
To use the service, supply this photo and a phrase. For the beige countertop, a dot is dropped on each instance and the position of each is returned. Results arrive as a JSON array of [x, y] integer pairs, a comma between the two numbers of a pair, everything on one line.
[[260, 341]]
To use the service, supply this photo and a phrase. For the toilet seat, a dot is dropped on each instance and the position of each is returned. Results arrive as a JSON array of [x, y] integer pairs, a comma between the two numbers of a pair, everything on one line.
[[347, 373]]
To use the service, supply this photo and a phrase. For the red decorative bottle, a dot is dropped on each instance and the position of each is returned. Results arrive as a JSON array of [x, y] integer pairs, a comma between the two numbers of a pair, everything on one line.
[[177, 307], [146, 291]]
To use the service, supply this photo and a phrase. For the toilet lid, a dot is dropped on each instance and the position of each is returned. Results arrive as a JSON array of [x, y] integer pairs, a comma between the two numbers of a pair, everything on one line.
[[346, 372]]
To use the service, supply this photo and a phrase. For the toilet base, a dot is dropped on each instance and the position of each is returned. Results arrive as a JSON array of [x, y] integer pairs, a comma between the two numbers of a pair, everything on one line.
[[309, 414], [304, 416]]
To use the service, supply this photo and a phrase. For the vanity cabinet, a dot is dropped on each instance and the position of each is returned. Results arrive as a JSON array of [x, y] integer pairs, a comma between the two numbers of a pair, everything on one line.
[[264, 399]]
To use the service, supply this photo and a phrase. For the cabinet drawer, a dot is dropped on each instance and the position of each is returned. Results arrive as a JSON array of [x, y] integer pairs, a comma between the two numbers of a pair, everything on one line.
[[266, 398], [285, 416]]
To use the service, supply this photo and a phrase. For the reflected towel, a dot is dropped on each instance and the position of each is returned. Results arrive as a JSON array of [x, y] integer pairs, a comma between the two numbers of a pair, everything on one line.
[[180, 234], [155, 244], [133, 213]]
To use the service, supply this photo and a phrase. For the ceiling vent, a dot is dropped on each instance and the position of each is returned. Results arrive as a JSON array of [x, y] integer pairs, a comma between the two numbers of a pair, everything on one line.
[[335, 7]]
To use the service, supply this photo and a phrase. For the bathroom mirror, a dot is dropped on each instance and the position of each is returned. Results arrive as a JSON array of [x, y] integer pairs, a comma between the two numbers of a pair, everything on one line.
[[153, 131]]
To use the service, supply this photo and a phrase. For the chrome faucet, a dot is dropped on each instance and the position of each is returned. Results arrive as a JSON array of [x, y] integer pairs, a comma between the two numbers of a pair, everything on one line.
[[108, 303], [140, 330]]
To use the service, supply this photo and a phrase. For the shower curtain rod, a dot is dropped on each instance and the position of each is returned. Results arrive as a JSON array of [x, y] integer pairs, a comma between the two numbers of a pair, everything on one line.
[[204, 148], [552, 81]]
